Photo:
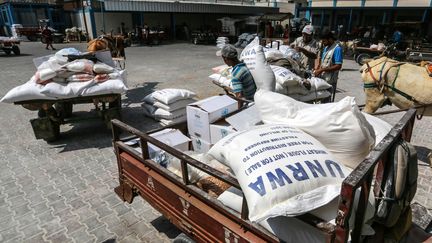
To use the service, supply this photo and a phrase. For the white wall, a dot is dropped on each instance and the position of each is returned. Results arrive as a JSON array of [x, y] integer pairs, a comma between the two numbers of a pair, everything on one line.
[[112, 22]]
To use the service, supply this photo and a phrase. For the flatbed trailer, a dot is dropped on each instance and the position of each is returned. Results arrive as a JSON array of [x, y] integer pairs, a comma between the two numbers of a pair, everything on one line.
[[53, 113], [205, 219]]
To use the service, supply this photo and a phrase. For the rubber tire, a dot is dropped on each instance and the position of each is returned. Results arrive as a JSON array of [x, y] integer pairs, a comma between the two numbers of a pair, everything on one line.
[[43, 40], [7, 51], [361, 57], [16, 50], [183, 238]]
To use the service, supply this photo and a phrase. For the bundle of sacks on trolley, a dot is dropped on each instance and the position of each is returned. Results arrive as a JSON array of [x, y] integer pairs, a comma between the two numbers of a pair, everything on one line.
[[275, 68], [289, 159], [59, 77]]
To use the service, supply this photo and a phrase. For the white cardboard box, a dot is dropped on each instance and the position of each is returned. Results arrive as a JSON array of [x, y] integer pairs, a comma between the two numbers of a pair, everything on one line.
[[220, 130], [201, 113], [171, 137], [200, 145]]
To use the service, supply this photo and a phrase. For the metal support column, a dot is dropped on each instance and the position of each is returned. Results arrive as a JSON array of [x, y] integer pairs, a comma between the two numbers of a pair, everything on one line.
[[384, 19], [173, 26], [308, 11], [349, 27]]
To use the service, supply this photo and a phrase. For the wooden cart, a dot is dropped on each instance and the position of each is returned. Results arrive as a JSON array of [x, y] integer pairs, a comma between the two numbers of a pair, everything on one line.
[[205, 219], [53, 113], [9, 46]]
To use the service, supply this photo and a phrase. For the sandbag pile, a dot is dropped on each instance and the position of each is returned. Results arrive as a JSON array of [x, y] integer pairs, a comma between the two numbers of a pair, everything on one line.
[[244, 39], [56, 78], [168, 106], [222, 41]]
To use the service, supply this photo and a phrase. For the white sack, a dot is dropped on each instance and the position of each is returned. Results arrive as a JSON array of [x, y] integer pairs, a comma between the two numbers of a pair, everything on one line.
[[28, 91], [168, 96], [111, 86], [220, 68], [285, 77], [163, 114], [380, 127], [66, 90], [280, 89], [281, 170], [102, 68], [253, 57], [220, 80], [297, 89], [172, 121], [148, 110], [80, 66], [233, 198], [319, 84], [340, 126], [174, 106], [273, 54], [45, 74], [311, 95]]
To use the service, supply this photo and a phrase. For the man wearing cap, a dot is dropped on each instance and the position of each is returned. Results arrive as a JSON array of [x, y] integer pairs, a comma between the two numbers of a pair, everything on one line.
[[330, 61], [307, 47], [243, 84]]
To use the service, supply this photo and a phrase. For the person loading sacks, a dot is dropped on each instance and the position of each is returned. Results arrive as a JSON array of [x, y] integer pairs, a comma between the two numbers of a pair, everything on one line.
[[243, 84]]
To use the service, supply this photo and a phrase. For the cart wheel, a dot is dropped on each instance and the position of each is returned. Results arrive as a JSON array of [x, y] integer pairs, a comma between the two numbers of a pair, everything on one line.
[[361, 58], [64, 109], [16, 50], [183, 238], [7, 51]]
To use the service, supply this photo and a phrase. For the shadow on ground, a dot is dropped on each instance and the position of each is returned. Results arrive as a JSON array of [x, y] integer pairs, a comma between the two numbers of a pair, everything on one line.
[[136, 95], [163, 225], [422, 154]]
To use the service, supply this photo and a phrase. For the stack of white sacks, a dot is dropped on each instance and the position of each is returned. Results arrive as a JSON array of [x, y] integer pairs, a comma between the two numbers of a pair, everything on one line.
[[168, 106], [222, 41], [291, 84], [273, 78], [56, 78]]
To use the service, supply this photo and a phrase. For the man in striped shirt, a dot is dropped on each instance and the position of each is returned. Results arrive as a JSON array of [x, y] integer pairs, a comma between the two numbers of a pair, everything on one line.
[[243, 84]]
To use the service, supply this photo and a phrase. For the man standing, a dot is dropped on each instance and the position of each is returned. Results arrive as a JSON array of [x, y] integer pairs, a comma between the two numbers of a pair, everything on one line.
[[47, 35], [307, 47], [330, 61], [243, 84]]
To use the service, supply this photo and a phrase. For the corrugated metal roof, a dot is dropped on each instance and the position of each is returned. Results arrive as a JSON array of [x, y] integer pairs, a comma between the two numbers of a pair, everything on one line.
[[185, 7]]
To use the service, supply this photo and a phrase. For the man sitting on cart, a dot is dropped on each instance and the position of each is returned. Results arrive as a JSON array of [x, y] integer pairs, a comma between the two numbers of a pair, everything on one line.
[[307, 47], [243, 84]]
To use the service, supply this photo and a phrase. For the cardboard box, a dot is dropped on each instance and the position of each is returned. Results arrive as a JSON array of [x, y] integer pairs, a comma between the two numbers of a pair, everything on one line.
[[201, 113], [200, 145], [171, 137], [245, 119], [220, 130]]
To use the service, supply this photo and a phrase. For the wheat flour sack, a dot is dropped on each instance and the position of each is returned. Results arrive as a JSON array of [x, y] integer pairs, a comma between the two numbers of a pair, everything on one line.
[[281, 170], [339, 126], [254, 58]]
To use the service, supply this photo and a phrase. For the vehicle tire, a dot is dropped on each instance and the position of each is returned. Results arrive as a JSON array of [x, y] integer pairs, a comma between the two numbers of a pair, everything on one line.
[[183, 238], [16, 50], [361, 57], [195, 41], [7, 51], [43, 40]]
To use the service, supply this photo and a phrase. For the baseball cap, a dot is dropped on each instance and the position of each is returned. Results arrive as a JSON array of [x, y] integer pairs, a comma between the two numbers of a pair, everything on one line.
[[308, 29]]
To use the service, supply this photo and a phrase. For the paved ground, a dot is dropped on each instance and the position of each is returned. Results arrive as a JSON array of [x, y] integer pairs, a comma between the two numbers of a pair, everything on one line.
[[63, 191]]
